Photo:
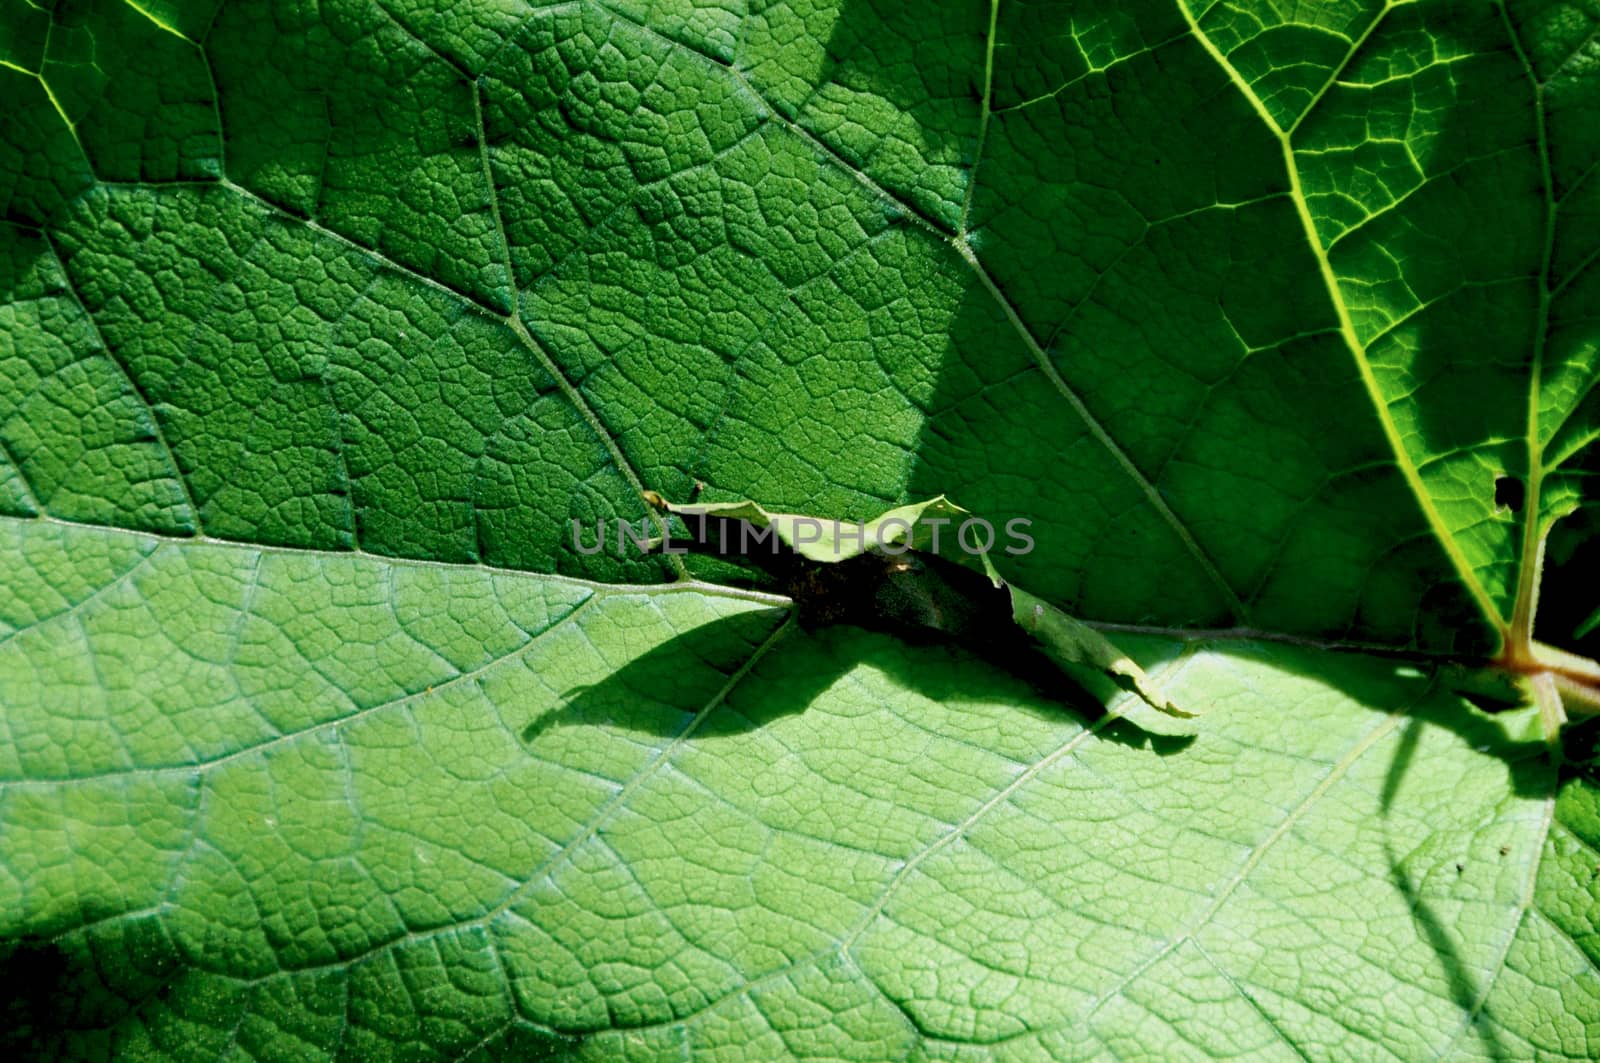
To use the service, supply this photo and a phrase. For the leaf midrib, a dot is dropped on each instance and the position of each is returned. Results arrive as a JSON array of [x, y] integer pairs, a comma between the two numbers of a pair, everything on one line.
[[1520, 635], [1402, 457]]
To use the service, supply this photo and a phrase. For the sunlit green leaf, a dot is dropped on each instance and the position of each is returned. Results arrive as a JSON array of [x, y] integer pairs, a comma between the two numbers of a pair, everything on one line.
[[321, 325]]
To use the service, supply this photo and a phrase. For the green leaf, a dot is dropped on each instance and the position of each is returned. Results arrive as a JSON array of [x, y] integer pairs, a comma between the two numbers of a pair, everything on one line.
[[320, 325]]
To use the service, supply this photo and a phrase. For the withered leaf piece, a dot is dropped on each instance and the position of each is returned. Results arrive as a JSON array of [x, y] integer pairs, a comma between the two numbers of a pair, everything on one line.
[[908, 572]]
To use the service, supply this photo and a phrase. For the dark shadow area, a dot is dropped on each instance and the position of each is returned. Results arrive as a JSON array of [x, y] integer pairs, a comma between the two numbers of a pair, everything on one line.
[[1403, 754], [35, 977], [1580, 748], [661, 690], [1434, 703], [91, 993], [63, 993], [801, 665], [1571, 591]]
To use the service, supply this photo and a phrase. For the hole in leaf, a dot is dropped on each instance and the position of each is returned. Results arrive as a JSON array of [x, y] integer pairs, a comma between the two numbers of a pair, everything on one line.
[[1509, 492]]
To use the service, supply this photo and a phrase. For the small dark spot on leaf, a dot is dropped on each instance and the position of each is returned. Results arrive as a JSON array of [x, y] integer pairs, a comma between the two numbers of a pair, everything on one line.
[[1460, 868], [1505, 850], [1509, 492]]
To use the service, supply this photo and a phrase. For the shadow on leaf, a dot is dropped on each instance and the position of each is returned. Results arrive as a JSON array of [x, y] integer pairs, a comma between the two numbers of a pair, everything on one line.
[[33, 975], [1464, 991], [704, 678]]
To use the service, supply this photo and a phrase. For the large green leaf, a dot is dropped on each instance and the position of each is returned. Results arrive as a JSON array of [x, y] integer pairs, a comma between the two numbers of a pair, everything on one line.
[[319, 323]]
